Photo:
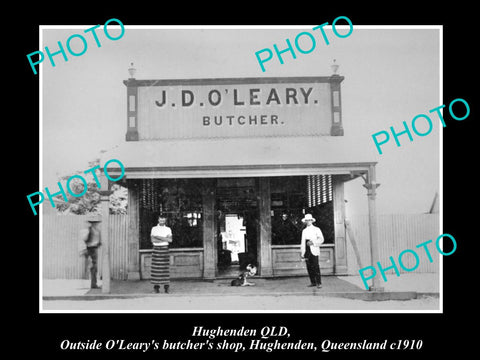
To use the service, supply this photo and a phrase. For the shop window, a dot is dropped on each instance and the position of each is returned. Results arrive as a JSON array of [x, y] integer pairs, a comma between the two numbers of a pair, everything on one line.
[[180, 201], [193, 219], [294, 196]]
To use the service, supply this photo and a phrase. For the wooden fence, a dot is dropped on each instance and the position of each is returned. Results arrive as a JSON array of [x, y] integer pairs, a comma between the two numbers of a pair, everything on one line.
[[61, 260]]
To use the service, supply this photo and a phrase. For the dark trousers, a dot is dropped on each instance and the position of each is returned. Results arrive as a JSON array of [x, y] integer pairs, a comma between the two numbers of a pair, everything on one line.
[[92, 252], [313, 267]]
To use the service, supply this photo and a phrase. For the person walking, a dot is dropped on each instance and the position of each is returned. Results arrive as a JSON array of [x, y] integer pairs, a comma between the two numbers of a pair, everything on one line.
[[161, 237], [93, 240], [312, 238]]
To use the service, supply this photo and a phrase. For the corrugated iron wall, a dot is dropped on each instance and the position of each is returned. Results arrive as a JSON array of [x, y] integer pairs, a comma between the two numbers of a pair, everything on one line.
[[61, 243], [117, 229], [396, 233]]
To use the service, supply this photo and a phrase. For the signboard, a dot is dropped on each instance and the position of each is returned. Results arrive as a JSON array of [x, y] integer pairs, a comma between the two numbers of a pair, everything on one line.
[[226, 109]]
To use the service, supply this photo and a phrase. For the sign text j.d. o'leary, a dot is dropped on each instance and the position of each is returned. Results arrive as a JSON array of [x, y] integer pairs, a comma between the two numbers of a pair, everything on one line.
[[234, 109]]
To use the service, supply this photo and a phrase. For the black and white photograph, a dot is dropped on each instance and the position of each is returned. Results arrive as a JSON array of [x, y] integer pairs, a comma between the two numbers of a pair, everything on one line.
[[179, 131], [244, 185]]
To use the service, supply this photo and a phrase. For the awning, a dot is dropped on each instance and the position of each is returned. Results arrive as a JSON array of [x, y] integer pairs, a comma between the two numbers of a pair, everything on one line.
[[240, 157]]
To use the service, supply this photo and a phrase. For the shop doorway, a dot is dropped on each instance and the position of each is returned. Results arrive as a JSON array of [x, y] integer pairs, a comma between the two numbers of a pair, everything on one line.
[[237, 219]]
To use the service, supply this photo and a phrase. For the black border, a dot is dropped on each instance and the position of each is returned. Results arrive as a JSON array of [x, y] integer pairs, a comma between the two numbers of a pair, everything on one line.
[[441, 333]]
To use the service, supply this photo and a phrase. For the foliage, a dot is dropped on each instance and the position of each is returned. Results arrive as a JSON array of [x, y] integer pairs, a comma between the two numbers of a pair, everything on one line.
[[90, 201]]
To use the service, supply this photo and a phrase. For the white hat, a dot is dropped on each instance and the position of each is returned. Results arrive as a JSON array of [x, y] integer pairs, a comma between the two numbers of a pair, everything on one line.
[[308, 217]]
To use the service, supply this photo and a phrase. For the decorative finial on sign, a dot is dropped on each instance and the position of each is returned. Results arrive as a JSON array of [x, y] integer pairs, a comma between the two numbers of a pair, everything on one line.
[[132, 71], [335, 67]]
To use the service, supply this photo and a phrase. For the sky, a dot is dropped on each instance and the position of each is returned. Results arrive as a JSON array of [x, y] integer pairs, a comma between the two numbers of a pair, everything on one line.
[[391, 75]]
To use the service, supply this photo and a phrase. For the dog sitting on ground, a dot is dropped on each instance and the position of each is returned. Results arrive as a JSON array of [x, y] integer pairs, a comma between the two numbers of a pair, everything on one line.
[[241, 280]]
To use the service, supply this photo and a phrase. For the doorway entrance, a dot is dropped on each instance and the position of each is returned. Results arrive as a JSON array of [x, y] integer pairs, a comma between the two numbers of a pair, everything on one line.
[[237, 223]]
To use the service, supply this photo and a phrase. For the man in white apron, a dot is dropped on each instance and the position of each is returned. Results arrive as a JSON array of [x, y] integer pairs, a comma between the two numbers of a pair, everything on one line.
[[312, 238]]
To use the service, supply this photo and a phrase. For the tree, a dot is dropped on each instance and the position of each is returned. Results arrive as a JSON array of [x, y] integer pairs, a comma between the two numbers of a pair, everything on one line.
[[90, 201]]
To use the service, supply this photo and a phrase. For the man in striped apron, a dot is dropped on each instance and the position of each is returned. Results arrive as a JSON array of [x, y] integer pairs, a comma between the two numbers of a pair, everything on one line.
[[161, 236]]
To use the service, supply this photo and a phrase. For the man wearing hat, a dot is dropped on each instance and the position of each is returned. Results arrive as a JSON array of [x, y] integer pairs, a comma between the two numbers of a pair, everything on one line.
[[312, 238], [92, 242]]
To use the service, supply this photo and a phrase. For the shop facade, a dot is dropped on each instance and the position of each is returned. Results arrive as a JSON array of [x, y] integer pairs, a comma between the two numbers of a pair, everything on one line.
[[234, 165]]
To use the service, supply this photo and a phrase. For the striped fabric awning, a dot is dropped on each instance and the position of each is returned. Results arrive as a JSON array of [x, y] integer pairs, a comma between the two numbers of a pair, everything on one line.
[[319, 189]]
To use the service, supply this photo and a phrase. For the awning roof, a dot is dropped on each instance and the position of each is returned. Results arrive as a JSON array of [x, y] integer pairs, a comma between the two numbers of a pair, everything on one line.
[[240, 157]]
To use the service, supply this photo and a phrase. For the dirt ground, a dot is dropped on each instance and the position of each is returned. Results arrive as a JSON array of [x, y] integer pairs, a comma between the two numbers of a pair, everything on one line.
[[290, 303], [278, 295]]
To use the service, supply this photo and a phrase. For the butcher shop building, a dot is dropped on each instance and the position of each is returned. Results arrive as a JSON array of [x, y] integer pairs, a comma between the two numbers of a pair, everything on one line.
[[234, 164]]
